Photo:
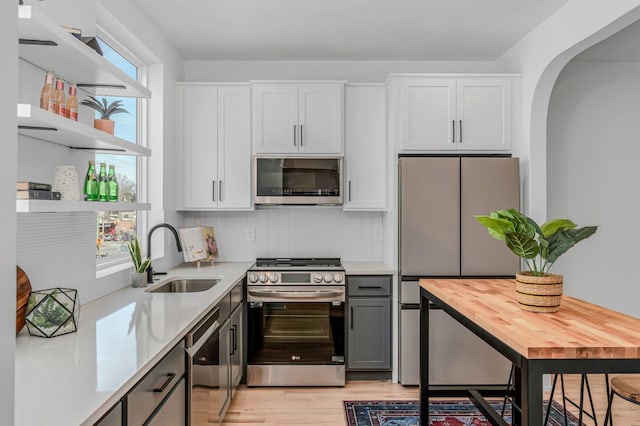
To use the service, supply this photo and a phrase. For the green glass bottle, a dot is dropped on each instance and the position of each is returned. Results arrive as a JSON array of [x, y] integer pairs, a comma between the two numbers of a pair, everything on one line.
[[113, 184], [103, 183], [90, 188]]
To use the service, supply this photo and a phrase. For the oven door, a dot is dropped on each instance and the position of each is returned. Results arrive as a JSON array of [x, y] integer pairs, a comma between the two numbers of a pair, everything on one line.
[[296, 325]]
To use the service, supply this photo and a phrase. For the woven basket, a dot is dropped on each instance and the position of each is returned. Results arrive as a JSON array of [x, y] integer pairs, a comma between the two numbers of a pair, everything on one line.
[[539, 294]]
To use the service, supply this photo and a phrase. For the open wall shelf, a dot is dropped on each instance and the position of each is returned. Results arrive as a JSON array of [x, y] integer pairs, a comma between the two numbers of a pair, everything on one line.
[[60, 206], [44, 44]]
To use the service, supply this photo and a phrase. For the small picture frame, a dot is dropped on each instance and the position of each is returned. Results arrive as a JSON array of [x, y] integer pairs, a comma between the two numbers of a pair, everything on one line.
[[194, 247], [209, 236]]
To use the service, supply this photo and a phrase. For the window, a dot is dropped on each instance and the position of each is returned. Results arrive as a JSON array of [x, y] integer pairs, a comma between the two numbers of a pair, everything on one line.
[[116, 228]]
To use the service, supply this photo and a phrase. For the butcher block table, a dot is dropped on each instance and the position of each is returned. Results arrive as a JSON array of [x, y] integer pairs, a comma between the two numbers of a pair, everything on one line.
[[580, 338]]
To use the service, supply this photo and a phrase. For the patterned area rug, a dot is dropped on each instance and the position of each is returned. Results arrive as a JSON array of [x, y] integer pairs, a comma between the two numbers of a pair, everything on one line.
[[443, 413]]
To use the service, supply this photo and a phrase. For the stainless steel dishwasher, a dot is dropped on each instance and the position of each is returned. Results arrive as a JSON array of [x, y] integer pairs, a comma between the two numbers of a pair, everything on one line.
[[205, 397]]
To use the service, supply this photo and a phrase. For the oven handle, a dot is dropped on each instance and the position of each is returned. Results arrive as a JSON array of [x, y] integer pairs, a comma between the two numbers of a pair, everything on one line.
[[313, 294]]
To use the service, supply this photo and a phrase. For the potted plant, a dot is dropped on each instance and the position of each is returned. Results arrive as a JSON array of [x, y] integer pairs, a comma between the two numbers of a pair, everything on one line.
[[106, 110], [138, 277], [540, 246]]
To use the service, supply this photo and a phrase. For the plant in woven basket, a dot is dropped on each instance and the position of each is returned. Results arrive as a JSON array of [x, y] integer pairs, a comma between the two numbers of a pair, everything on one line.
[[539, 245]]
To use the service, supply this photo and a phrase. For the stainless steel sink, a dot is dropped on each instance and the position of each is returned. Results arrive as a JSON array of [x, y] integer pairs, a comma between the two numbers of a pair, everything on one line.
[[185, 286]]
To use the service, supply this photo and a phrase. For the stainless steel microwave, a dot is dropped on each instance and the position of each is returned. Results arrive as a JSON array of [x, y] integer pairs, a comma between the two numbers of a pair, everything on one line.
[[298, 180]]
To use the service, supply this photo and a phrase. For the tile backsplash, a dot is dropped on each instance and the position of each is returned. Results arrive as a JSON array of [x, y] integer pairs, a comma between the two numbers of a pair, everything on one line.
[[293, 232]]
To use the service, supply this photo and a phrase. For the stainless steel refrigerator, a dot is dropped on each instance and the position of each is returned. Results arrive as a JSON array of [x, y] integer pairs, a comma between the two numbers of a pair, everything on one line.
[[439, 237]]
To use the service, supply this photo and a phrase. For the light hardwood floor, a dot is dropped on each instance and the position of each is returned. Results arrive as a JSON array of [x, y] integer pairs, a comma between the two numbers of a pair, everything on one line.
[[323, 406]]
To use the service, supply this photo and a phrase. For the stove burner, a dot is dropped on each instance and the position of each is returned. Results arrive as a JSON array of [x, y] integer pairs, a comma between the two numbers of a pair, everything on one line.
[[297, 262]]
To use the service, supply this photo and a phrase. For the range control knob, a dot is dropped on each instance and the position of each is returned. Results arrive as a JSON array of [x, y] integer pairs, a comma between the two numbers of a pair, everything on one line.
[[253, 278], [263, 278], [317, 278], [328, 278], [337, 278], [273, 278]]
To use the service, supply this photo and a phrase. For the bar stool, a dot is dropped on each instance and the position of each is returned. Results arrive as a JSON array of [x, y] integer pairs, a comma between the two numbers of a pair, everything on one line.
[[584, 383], [626, 387]]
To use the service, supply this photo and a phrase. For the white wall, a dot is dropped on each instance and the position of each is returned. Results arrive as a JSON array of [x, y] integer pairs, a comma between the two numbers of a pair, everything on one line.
[[353, 71], [59, 249], [540, 56], [593, 177], [8, 74], [294, 232]]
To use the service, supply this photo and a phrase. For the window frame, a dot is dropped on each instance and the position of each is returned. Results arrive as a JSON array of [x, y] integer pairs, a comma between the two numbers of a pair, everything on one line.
[[120, 262]]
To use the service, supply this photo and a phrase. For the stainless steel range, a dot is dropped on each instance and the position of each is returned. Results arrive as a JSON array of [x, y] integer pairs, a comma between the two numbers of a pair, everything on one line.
[[296, 328]]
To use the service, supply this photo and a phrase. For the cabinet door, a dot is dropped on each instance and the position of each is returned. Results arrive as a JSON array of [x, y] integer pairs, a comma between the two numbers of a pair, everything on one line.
[[225, 367], [236, 348], [428, 114], [275, 119], [320, 119], [369, 334], [365, 148], [234, 148], [484, 114], [430, 216], [173, 411], [486, 184], [198, 133], [113, 417]]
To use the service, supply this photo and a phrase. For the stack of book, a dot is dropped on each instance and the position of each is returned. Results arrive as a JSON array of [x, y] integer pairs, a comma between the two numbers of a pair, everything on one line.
[[35, 191]]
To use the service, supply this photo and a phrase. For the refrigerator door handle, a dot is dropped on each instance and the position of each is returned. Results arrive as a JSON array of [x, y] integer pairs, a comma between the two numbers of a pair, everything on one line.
[[409, 306]]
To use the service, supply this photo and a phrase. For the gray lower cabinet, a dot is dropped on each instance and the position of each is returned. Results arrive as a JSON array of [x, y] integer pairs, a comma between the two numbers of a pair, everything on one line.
[[113, 417], [231, 358], [173, 410], [369, 323]]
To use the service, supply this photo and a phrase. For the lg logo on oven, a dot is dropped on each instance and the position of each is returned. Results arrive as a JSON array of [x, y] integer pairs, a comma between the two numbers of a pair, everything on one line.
[[295, 357]]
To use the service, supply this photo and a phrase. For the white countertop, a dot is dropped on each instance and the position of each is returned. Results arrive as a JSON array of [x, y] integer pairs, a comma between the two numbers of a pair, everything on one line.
[[367, 268], [74, 379]]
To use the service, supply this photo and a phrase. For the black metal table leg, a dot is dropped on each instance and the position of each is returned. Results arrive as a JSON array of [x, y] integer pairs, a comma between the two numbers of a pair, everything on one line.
[[424, 360], [531, 388]]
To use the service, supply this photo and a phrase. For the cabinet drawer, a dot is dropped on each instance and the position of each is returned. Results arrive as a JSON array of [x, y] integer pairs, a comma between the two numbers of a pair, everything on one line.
[[236, 295], [369, 285], [154, 387]]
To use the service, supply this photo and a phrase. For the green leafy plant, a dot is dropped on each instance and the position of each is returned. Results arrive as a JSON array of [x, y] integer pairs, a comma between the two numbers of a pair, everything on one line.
[[105, 109], [136, 256], [50, 312], [539, 246]]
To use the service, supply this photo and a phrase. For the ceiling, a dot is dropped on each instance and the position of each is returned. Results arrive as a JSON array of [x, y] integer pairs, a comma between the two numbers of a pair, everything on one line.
[[346, 29]]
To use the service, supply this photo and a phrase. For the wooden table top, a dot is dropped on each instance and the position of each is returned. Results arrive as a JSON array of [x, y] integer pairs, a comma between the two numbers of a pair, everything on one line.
[[578, 330]]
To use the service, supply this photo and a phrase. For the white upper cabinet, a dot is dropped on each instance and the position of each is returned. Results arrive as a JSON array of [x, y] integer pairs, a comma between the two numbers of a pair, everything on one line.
[[365, 147], [455, 114], [297, 118], [215, 146]]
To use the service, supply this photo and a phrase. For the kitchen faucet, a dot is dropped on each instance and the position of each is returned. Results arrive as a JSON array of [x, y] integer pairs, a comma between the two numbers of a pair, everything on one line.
[[150, 272]]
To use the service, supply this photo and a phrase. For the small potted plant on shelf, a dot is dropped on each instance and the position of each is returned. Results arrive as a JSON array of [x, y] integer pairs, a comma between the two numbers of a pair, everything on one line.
[[138, 276], [540, 246], [106, 110]]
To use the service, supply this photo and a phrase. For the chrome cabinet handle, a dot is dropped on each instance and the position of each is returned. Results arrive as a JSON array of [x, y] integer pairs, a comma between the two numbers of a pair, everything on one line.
[[213, 191], [453, 131], [162, 387], [220, 190], [460, 131], [301, 135], [349, 198], [294, 135]]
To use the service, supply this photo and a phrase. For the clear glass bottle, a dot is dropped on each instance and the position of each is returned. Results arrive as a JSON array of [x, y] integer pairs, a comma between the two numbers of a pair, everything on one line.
[[113, 183], [90, 187], [60, 107], [72, 102], [103, 183], [47, 90]]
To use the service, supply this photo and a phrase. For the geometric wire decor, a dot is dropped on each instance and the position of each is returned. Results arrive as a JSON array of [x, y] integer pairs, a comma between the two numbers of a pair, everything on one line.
[[52, 312]]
